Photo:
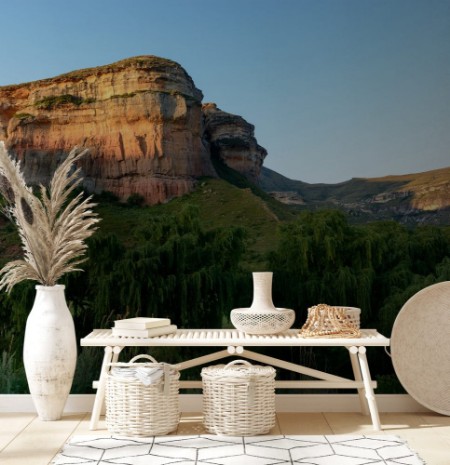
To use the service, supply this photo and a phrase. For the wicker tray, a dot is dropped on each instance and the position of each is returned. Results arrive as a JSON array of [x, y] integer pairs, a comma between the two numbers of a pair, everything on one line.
[[420, 347], [134, 409], [239, 398]]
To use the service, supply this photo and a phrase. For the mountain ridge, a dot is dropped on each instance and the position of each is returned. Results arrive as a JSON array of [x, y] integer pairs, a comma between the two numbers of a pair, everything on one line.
[[409, 198]]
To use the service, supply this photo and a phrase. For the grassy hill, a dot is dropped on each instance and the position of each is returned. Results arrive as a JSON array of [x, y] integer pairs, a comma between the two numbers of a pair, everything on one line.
[[219, 204]]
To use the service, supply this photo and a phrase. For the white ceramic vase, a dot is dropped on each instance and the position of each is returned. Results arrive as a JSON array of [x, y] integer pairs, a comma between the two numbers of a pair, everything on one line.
[[50, 351], [262, 317]]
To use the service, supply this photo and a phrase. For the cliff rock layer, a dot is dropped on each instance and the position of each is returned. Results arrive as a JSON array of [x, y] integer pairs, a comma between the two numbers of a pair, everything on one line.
[[232, 139], [141, 118]]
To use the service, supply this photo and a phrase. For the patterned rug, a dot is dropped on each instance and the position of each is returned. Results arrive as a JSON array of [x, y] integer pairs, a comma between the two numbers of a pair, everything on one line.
[[225, 450]]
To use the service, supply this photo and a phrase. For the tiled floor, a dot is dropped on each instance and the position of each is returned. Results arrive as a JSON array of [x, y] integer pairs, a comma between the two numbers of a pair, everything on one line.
[[25, 440]]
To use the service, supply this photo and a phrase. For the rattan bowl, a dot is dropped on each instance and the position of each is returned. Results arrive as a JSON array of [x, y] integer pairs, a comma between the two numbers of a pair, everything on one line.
[[252, 321], [352, 314], [332, 321]]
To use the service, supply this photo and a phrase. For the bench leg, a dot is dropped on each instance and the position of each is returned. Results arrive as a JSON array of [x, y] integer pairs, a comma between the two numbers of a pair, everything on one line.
[[357, 373], [111, 356], [370, 395]]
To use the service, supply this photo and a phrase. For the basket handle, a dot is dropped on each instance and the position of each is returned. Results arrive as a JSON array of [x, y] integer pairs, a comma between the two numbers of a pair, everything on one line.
[[148, 357], [236, 362], [250, 384]]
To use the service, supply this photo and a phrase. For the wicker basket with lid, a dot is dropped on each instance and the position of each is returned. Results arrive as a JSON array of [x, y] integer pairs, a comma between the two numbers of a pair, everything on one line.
[[137, 409], [239, 398]]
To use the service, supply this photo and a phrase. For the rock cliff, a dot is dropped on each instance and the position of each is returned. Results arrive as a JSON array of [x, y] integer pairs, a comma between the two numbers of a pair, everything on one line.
[[232, 140], [140, 117], [142, 120]]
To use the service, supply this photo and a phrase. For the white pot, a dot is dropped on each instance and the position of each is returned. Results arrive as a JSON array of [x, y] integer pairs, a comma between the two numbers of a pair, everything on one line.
[[262, 317], [50, 351]]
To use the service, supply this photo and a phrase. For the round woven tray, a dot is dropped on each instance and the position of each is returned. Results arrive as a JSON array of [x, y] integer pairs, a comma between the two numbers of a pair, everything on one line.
[[420, 347]]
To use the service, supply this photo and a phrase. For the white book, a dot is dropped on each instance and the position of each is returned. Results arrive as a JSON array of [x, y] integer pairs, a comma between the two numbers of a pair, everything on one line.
[[141, 322], [150, 332]]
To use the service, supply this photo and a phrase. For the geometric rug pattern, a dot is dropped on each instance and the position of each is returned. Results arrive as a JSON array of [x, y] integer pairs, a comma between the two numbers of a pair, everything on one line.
[[207, 449]]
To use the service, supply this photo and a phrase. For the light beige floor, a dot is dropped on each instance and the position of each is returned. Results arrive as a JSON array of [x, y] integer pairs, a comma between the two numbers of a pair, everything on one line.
[[25, 440]]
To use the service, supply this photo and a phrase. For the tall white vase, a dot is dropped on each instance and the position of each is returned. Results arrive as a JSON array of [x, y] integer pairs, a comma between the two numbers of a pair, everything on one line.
[[262, 317], [50, 351]]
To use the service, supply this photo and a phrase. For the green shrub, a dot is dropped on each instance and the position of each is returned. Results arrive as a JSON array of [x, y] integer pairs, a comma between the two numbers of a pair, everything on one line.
[[106, 197], [127, 95], [47, 103], [135, 200], [23, 116]]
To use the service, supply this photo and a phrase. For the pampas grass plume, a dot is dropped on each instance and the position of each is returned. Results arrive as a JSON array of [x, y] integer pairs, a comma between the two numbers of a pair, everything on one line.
[[53, 228]]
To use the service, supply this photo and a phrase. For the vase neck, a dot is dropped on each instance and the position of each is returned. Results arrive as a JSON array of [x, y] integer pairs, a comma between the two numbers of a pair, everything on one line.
[[262, 291], [55, 288], [50, 298]]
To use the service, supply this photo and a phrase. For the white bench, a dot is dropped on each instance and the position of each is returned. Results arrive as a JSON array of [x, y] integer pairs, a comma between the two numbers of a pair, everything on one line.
[[236, 342]]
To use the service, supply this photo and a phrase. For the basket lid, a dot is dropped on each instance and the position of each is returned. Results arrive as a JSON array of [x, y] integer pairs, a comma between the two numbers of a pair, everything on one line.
[[238, 369]]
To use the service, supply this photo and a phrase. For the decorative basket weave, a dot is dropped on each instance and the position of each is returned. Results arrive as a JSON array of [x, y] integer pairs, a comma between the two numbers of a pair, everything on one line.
[[134, 409], [332, 321], [239, 398], [262, 322], [351, 314]]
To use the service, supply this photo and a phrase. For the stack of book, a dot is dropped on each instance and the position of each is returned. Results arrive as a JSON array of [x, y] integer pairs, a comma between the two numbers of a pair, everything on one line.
[[143, 327]]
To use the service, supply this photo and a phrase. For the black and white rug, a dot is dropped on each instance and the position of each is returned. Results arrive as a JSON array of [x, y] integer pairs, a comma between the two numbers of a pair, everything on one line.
[[225, 450]]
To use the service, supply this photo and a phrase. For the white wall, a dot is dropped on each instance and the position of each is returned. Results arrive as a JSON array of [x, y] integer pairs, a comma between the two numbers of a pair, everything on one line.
[[284, 403]]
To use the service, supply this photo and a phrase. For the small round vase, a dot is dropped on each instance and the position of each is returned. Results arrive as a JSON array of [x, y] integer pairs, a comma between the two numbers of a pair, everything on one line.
[[262, 317], [50, 351]]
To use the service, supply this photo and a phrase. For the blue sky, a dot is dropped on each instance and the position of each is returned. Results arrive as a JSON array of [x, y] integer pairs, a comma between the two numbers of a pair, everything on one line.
[[335, 88]]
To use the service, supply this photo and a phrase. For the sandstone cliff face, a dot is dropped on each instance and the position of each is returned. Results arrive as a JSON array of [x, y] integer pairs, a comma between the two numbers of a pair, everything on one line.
[[232, 139], [429, 191], [141, 118]]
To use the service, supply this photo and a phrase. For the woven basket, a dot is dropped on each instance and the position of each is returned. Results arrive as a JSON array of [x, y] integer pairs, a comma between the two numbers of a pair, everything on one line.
[[134, 409], [323, 320], [352, 315], [239, 398]]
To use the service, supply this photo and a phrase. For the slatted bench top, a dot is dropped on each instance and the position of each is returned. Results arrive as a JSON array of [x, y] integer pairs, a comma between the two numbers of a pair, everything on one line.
[[230, 337]]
